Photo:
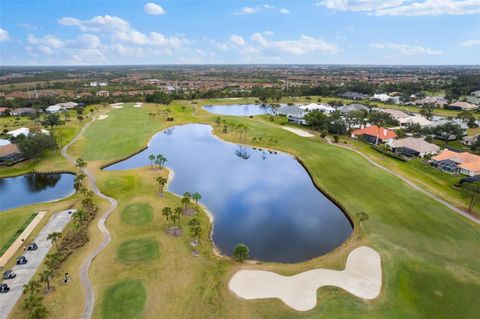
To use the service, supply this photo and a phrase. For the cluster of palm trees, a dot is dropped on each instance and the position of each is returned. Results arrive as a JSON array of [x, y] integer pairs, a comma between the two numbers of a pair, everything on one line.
[[174, 215], [158, 160], [33, 301]]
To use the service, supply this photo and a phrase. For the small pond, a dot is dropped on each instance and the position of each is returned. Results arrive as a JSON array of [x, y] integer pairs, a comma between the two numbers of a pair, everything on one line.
[[238, 109], [34, 188], [262, 199]]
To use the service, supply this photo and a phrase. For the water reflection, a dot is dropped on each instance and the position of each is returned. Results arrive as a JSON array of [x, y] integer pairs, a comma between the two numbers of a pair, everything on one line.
[[238, 109], [257, 197], [34, 188]]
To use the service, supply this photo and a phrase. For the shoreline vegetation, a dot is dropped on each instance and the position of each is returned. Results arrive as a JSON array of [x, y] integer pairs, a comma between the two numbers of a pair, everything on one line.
[[413, 253]]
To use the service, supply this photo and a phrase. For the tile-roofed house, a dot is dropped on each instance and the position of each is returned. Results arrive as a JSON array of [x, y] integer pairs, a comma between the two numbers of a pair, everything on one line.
[[440, 101], [411, 146], [415, 119], [9, 153], [462, 106], [68, 105], [470, 140], [353, 107], [453, 162], [374, 134], [396, 114]]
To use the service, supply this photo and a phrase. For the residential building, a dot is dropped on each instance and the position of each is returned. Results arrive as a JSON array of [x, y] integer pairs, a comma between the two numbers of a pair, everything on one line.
[[9, 153], [470, 140], [438, 101], [25, 131], [354, 96], [22, 111], [54, 109], [68, 105], [353, 108], [415, 119], [325, 108], [293, 113], [455, 163], [464, 106], [445, 136], [411, 146], [375, 134], [103, 93], [396, 114]]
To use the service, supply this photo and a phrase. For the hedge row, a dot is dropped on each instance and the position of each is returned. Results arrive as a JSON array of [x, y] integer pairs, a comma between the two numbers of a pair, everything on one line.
[[388, 153]]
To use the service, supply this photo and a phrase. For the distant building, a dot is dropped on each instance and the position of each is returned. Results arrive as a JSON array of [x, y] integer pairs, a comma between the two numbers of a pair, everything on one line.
[[415, 119], [439, 101], [464, 106], [103, 93], [25, 131], [354, 96], [374, 134], [325, 108], [293, 113], [68, 105], [411, 146], [23, 111], [9, 153], [470, 140], [353, 108], [396, 114], [54, 109]]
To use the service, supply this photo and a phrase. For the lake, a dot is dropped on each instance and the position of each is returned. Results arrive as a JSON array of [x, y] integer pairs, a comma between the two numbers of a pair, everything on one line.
[[238, 109], [262, 199], [34, 188]]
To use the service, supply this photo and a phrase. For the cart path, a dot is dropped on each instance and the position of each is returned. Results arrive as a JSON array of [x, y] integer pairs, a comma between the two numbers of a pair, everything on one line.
[[35, 257], [409, 182], [84, 268]]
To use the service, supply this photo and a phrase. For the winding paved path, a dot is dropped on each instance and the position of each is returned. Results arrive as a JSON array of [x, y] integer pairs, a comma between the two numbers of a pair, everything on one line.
[[409, 182], [84, 279]]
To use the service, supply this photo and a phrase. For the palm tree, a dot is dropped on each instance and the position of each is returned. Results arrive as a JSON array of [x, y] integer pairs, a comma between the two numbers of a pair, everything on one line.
[[176, 217], [52, 261], [32, 287], [162, 181], [77, 182], [186, 200], [54, 237], [195, 229], [78, 217], [45, 277], [167, 213], [151, 158], [160, 160], [196, 197], [80, 163]]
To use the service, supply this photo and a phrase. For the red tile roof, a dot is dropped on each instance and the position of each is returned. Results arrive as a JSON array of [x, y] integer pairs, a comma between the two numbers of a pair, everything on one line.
[[380, 132]]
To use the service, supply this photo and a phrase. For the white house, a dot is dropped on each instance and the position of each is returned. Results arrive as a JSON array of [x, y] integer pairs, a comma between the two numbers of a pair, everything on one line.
[[25, 131], [68, 105], [381, 97], [415, 119], [325, 108], [54, 108]]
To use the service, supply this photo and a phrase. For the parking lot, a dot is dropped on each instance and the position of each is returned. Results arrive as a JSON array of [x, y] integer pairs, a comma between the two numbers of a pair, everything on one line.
[[25, 272]]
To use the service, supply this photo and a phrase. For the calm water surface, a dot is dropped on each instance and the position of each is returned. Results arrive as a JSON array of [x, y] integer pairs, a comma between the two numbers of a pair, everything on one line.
[[238, 109], [34, 188], [262, 199]]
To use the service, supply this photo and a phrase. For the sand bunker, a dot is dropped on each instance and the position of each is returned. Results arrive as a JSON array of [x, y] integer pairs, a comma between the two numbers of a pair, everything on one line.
[[297, 131], [117, 105], [362, 277], [102, 117], [138, 105]]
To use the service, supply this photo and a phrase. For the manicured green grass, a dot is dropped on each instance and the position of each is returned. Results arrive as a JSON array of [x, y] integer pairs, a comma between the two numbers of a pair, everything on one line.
[[125, 131], [124, 299], [12, 225], [138, 250], [429, 253], [137, 214]]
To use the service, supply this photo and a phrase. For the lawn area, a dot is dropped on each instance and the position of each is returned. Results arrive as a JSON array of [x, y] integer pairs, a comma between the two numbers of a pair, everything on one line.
[[422, 243], [12, 224], [429, 259]]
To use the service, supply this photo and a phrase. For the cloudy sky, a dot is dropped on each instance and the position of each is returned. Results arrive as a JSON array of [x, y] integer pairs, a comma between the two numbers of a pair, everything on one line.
[[77, 32]]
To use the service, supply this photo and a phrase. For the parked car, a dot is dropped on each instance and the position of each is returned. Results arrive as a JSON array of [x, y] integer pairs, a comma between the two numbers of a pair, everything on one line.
[[4, 288], [21, 260], [32, 246], [9, 274]]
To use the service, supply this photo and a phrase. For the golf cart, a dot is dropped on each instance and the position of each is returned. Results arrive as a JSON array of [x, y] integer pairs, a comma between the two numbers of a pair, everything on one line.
[[4, 288], [21, 260], [9, 274], [32, 246]]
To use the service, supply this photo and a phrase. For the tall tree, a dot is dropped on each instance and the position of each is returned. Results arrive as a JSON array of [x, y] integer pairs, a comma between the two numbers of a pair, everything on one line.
[[196, 197], [167, 213], [151, 157], [195, 229], [45, 277], [54, 237], [162, 181]]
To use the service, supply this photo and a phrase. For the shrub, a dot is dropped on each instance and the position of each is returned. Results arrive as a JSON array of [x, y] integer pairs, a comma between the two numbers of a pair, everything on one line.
[[241, 252], [324, 133], [388, 153], [336, 138]]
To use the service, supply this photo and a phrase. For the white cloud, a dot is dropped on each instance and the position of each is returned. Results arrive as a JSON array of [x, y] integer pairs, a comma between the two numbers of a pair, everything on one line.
[[284, 11], [120, 30], [407, 49], [153, 8], [4, 36], [236, 39], [471, 43], [246, 10], [405, 7], [268, 32]]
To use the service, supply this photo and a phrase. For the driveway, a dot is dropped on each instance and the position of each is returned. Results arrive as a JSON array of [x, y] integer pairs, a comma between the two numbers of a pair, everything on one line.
[[25, 272]]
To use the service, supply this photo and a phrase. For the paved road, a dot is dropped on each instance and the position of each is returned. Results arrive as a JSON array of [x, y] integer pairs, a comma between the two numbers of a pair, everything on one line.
[[25, 272], [84, 279], [409, 182]]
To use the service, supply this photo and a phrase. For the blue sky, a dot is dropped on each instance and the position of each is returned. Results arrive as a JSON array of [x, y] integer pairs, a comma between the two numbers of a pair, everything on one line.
[[78, 32]]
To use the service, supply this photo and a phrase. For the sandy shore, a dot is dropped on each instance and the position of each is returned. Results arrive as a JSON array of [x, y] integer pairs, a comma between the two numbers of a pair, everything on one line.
[[362, 277], [102, 117], [297, 131]]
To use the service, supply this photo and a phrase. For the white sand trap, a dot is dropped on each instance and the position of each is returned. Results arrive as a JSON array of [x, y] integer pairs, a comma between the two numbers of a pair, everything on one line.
[[138, 105], [102, 117], [117, 105], [297, 131], [362, 277]]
